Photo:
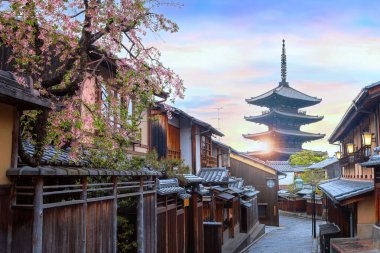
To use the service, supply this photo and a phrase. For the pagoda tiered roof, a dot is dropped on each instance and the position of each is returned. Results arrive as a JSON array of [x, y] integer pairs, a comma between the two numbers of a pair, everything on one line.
[[268, 117], [283, 95], [305, 136], [283, 118]]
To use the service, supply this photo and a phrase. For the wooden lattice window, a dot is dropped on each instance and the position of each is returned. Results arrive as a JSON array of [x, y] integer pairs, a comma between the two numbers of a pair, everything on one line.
[[262, 208]]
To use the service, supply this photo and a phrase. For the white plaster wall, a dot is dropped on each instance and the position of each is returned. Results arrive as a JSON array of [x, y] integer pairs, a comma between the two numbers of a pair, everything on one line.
[[185, 139], [197, 151], [289, 179]]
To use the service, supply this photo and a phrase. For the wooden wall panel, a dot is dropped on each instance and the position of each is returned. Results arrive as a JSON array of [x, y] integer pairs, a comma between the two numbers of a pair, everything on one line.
[[4, 207], [258, 178], [99, 226], [149, 222], [200, 229], [161, 233], [172, 231], [213, 240], [181, 228], [62, 229], [22, 231]]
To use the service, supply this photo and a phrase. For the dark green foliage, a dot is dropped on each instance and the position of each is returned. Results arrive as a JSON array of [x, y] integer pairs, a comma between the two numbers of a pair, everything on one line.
[[307, 157]]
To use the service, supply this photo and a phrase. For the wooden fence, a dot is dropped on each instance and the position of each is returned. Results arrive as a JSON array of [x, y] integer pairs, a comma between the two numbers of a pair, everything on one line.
[[77, 214]]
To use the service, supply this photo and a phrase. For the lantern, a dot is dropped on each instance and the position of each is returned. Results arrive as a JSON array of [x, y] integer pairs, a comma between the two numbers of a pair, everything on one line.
[[271, 183], [299, 183], [350, 148], [367, 138], [338, 154]]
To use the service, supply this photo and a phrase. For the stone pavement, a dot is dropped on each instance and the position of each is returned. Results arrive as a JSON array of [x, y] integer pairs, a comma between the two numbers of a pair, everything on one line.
[[293, 236]]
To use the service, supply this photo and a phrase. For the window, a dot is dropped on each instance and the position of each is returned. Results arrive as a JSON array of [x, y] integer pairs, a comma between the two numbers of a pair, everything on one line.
[[262, 210], [206, 145], [122, 110]]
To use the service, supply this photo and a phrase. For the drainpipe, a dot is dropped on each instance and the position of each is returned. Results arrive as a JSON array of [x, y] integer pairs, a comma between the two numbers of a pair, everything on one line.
[[351, 223], [377, 126]]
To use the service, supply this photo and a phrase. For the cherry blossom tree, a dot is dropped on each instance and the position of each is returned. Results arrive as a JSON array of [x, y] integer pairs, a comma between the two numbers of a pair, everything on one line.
[[62, 44]]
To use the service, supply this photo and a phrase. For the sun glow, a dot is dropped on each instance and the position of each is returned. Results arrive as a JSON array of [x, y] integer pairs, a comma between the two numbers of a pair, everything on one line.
[[262, 146]]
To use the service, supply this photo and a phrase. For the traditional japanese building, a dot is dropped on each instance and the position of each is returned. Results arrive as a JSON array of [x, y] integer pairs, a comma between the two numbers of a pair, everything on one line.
[[284, 119]]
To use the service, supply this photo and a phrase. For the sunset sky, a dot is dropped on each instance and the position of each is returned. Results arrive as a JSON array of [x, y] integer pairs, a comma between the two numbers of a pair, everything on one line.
[[227, 51]]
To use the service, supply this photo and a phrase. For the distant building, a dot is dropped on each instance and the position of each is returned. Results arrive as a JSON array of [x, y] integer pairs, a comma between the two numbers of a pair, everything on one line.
[[289, 171], [329, 165], [264, 178], [353, 199], [283, 119]]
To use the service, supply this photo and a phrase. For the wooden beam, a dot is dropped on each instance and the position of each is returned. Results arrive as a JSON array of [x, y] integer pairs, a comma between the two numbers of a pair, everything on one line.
[[114, 221], [140, 218], [38, 216]]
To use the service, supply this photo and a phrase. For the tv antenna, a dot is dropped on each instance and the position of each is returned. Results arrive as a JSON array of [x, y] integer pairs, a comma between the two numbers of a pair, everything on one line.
[[218, 118]]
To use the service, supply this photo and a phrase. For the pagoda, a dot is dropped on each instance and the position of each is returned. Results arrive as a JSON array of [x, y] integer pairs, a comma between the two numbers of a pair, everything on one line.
[[284, 119]]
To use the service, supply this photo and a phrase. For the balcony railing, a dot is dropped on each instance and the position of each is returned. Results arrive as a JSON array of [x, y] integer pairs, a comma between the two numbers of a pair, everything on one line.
[[359, 156], [174, 154], [209, 161]]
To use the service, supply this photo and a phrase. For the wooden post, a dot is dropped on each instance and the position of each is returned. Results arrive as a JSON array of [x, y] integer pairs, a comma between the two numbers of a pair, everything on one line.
[[84, 228], [140, 219], [114, 232], [15, 134], [154, 250], [38, 216], [12, 201], [195, 216]]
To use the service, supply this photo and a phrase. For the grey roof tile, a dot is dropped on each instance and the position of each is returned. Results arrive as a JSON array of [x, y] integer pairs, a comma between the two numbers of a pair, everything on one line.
[[74, 171], [339, 189], [170, 186], [284, 166], [214, 175], [324, 163]]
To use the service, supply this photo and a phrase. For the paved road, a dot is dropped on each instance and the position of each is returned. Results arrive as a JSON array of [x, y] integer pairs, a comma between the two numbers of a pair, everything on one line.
[[293, 236]]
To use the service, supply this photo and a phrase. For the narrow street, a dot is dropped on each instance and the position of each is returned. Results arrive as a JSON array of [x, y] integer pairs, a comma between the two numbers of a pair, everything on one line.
[[293, 236]]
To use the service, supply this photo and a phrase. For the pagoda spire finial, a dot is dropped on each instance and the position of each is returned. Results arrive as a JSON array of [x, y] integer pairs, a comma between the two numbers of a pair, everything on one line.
[[283, 66]]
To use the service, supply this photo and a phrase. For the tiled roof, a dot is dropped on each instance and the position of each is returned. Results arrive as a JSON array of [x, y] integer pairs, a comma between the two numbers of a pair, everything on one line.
[[236, 182], [287, 132], [192, 179], [367, 97], [263, 118], [196, 121], [225, 196], [286, 92], [374, 160], [54, 157], [11, 92], [169, 186], [284, 166], [218, 188], [214, 175], [76, 171], [202, 190], [324, 163], [184, 196], [340, 189], [246, 204]]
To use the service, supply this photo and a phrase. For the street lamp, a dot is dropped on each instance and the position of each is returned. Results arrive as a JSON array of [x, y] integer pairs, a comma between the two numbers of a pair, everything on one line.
[[313, 214], [338, 154]]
